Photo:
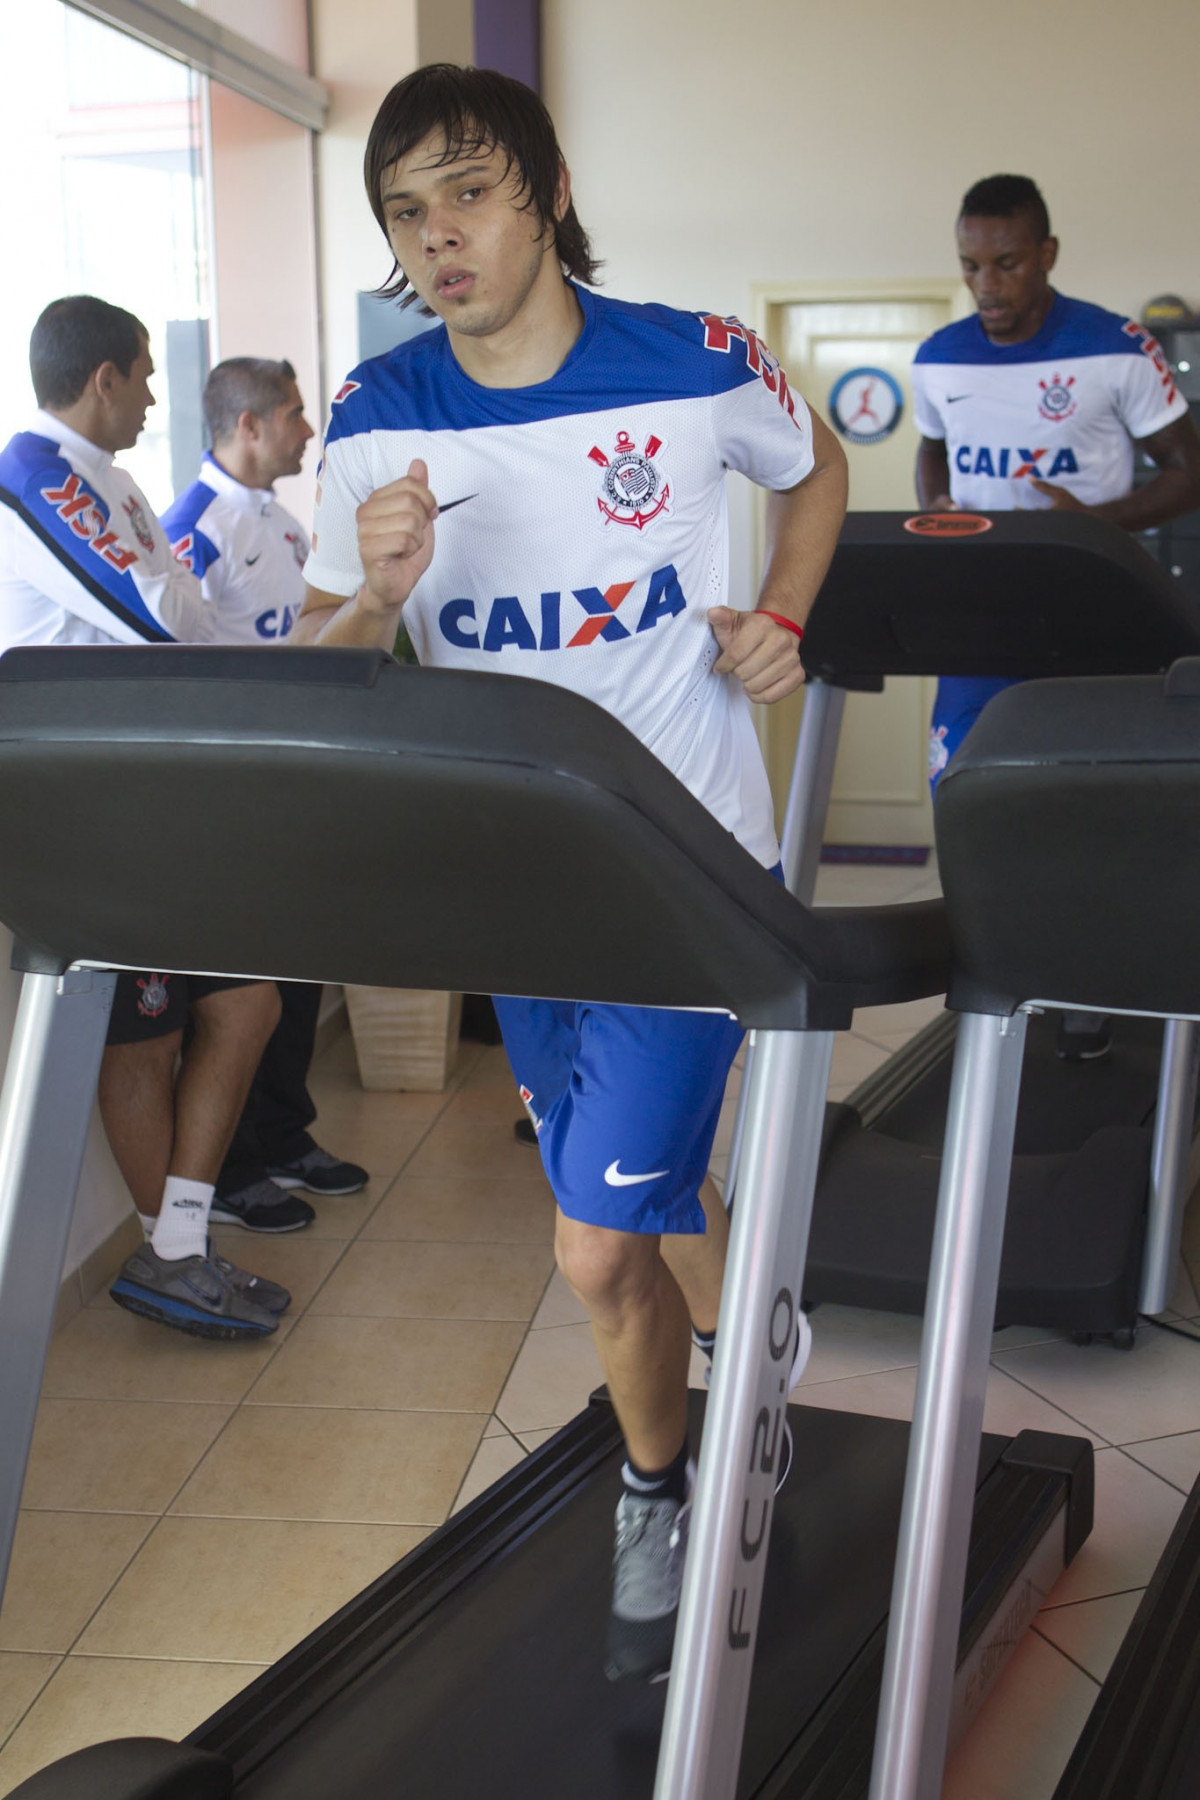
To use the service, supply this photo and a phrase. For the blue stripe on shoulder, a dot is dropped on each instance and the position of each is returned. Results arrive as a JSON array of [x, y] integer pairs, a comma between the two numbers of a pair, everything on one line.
[[626, 355], [1072, 328], [181, 523], [74, 522]]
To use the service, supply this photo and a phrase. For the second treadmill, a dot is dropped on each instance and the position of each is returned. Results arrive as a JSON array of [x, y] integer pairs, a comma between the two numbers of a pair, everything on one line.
[[1102, 1149]]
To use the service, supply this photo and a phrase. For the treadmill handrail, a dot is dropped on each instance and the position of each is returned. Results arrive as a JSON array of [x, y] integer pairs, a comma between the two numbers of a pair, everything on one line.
[[434, 793], [1035, 594]]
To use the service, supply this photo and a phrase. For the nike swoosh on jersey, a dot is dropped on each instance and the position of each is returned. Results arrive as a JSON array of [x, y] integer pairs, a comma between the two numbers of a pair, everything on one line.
[[952, 399], [251, 560], [451, 504], [614, 1177]]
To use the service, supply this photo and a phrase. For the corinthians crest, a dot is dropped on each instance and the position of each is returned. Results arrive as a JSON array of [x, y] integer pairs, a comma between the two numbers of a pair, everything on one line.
[[137, 519], [633, 490], [1057, 402]]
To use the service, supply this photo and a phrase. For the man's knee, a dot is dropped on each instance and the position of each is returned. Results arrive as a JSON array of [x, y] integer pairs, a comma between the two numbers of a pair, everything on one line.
[[247, 1014], [608, 1270]]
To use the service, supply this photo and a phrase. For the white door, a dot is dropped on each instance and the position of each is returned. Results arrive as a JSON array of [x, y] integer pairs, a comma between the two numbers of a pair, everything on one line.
[[880, 788]]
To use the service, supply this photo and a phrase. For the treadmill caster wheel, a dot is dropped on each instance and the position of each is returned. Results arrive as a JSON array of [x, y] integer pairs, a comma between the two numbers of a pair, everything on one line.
[[1125, 1338]]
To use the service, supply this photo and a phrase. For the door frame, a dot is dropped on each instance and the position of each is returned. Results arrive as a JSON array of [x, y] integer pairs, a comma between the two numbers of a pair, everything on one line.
[[768, 298]]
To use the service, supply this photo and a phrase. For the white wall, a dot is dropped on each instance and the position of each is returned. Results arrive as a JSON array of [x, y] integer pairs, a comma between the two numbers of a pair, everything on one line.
[[715, 147], [264, 255], [783, 139], [361, 48]]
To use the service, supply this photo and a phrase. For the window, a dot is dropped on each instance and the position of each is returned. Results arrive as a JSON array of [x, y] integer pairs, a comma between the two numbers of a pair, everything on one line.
[[130, 175]]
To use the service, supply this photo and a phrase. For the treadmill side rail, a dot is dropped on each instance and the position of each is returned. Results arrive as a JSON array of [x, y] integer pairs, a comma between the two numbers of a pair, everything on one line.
[[735, 1494], [931, 1557], [45, 1108]]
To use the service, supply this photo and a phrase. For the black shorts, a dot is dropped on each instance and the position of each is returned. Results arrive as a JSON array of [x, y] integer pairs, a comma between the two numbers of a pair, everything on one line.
[[152, 1006]]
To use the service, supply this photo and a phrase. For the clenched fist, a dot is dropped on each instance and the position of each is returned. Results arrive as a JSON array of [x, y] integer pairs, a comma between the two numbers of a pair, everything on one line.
[[395, 538]]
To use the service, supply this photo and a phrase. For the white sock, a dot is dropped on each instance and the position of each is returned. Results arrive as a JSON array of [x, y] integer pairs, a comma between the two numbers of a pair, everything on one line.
[[148, 1224], [181, 1228]]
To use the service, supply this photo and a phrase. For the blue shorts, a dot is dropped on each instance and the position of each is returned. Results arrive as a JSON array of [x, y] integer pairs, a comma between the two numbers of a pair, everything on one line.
[[625, 1102], [960, 700]]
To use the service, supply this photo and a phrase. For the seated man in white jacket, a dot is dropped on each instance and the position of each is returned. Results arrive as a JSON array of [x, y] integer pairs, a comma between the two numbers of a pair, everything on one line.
[[84, 561], [232, 530]]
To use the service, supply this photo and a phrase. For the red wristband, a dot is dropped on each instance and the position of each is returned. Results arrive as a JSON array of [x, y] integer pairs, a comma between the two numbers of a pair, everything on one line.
[[788, 624]]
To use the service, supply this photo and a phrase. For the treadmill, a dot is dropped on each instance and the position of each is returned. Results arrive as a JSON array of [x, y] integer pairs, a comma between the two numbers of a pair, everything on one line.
[[1033, 594], [497, 1618], [1044, 782]]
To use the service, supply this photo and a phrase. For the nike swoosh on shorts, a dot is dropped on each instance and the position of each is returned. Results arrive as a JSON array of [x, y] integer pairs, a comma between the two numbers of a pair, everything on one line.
[[614, 1177]]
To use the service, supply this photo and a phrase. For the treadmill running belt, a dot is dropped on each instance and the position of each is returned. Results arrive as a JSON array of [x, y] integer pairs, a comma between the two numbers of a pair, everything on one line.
[[499, 1689]]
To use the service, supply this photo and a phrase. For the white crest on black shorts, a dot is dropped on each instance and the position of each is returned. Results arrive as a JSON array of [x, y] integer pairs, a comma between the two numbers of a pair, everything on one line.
[[153, 1002], [633, 490]]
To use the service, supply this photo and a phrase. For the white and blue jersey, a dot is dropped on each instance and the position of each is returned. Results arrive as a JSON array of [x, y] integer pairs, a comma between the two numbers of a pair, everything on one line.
[[83, 560], [593, 535], [1064, 406], [247, 551]]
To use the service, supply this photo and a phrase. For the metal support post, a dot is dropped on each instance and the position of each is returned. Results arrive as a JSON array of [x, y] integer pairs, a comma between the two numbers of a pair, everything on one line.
[[743, 1430], [45, 1107], [1169, 1157], [800, 850], [943, 1453]]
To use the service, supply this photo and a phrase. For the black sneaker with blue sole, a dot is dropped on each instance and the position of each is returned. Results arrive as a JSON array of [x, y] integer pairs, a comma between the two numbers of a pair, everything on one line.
[[189, 1294]]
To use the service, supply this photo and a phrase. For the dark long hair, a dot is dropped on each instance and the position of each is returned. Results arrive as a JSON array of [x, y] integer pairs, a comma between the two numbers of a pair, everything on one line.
[[472, 110]]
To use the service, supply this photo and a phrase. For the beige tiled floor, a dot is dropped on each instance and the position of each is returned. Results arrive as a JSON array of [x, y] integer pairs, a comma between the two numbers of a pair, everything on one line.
[[192, 1509]]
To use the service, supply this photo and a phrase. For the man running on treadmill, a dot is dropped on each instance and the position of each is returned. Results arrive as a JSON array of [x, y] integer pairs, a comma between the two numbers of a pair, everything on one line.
[[582, 444], [1039, 401]]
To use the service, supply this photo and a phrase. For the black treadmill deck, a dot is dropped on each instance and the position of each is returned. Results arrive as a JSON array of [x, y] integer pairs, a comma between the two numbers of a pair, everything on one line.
[[1077, 1197], [435, 1684]]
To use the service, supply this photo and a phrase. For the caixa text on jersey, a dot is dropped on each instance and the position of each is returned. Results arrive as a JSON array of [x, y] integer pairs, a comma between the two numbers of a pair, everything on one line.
[[563, 621]]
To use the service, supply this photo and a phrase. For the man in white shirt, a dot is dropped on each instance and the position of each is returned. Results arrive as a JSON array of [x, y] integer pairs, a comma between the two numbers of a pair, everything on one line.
[[1038, 401], [84, 561], [230, 528], [579, 447]]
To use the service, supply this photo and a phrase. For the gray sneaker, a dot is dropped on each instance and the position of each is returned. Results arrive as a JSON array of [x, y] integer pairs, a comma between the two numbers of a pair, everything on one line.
[[257, 1288], [262, 1207], [190, 1294], [648, 1558]]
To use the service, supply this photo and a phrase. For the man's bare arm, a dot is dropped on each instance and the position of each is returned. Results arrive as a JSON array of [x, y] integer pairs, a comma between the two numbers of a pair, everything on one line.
[[1175, 451], [933, 476], [395, 543], [802, 533]]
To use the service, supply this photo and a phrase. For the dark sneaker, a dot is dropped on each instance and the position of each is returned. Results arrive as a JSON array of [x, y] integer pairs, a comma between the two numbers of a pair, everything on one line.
[[320, 1173], [648, 1558], [257, 1288], [523, 1131], [263, 1206], [1083, 1037], [190, 1294]]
